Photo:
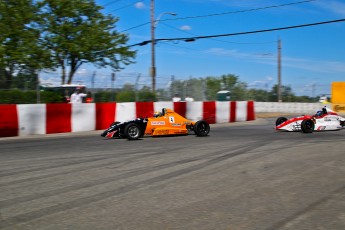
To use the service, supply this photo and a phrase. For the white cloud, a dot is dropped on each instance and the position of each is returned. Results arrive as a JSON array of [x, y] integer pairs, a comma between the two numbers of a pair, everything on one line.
[[321, 66], [186, 27], [82, 71], [269, 78], [230, 53], [333, 6], [261, 83], [139, 5]]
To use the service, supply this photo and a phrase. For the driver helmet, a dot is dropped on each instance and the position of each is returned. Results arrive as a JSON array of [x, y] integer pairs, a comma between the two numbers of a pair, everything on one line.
[[319, 113], [156, 114]]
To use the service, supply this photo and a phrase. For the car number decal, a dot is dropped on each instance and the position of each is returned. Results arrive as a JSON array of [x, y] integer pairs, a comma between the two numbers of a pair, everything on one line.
[[296, 126], [171, 119]]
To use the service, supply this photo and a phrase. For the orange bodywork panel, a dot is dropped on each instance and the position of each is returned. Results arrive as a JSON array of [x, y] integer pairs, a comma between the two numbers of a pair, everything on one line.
[[169, 123], [168, 131]]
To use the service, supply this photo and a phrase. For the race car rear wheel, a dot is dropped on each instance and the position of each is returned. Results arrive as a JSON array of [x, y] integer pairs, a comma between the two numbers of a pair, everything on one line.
[[201, 128], [307, 126], [280, 120], [132, 131]]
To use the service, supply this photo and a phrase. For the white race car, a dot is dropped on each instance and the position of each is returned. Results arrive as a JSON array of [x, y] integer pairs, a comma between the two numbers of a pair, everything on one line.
[[325, 119]]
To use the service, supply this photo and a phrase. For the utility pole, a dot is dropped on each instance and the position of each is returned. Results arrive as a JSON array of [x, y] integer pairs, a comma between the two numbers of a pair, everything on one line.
[[38, 92], [154, 23], [136, 87], [153, 64], [93, 79], [172, 86], [279, 72], [112, 85]]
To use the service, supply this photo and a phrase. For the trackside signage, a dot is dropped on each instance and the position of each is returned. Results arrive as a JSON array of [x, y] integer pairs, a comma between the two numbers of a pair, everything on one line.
[[339, 107], [338, 96]]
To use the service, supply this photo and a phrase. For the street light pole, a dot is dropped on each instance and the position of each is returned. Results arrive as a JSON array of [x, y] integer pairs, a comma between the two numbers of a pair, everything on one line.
[[279, 92], [153, 64], [154, 23]]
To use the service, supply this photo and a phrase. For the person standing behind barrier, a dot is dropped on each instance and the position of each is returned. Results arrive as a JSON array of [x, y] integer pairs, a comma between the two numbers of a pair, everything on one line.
[[189, 98], [77, 96], [176, 98]]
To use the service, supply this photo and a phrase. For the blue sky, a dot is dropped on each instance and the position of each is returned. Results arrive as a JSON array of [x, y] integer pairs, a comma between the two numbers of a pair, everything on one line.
[[312, 57]]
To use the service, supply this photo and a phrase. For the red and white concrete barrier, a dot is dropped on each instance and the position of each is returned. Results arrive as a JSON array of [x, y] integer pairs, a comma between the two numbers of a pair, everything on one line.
[[21, 120]]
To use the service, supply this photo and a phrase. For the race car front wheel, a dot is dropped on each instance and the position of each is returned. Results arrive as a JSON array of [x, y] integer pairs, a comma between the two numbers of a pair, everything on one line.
[[132, 131], [280, 120], [201, 128], [307, 126]]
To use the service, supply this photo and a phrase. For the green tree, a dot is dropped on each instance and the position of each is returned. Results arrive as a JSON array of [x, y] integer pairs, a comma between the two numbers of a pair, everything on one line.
[[76, 32], [26, 80], [229, 81], [213, 85], [206, 88], [145, 94], [258, 95], [195, 88], [127, 94], [286, 93], [20, 47], [225, 82], [176, 88], [239, 92]]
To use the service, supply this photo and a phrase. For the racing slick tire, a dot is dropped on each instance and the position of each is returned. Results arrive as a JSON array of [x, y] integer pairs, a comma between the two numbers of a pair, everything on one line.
[[342, 123], [307, 126], [280, 120], [132, 131], [201, 128]]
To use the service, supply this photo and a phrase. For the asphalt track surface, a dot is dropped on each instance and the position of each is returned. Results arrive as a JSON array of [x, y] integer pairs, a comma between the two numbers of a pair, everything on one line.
[[243, 175]]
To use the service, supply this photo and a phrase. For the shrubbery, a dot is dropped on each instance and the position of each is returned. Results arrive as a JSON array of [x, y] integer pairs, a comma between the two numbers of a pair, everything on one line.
[[29, 97], [104, 96]]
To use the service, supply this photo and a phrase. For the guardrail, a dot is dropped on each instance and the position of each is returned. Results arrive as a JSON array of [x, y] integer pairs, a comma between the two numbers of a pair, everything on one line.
[[21, 120]]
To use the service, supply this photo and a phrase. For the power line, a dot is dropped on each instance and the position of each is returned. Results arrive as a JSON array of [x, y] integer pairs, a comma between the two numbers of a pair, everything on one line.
[[240, 11], [111, 2], [217, 40], [191, 39], [237, 43], [225, 13], [134, 27], [174, 45], [123, 7]]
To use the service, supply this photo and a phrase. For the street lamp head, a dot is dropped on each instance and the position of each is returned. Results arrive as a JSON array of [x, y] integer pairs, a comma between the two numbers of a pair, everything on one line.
[[155, 23]]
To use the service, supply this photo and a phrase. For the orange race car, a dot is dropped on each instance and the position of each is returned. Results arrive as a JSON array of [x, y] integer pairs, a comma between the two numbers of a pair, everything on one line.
[[164, 123]]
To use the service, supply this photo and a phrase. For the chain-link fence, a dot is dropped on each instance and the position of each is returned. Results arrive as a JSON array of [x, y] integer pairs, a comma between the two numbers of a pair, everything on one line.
[[199, 89]]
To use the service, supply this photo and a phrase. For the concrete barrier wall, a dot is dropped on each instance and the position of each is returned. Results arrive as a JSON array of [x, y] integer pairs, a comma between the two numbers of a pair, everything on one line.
[[289, 107], [21, 120]]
